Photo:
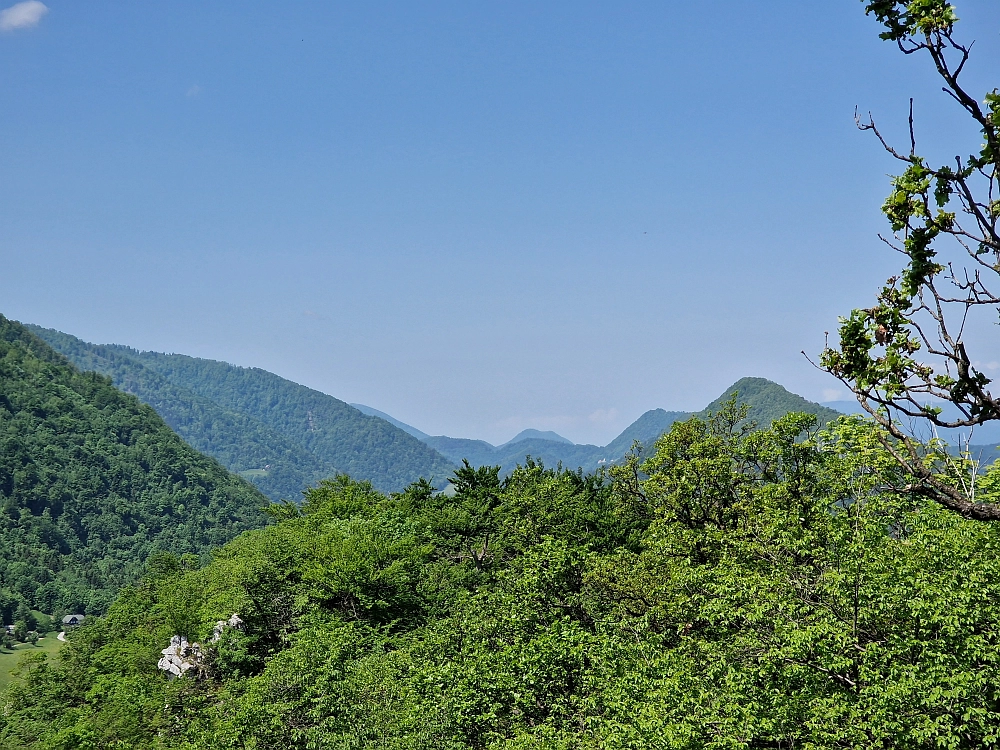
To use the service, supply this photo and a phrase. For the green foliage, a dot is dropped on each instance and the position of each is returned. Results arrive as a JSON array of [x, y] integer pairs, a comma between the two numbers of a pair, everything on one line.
[[909, 18], [280, 435], [907, 351], [91, 483], [738, 588]]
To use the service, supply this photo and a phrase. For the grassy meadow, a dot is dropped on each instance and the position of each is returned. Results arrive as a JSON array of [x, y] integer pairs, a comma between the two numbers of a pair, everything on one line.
[[9, 659]]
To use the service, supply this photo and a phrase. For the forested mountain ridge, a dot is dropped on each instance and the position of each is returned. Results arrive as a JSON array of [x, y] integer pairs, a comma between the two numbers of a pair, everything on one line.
[[92, 481], [281, 435], [242, 444], [284, 437], [766, 400]]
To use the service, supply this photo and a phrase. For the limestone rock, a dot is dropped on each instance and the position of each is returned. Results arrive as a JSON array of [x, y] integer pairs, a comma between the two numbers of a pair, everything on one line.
[[233, 622], [180, 656]]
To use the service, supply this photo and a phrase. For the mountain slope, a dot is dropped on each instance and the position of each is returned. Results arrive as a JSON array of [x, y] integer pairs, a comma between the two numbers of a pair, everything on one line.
[[419, 435], [362, 446], [477, 452], [92, 481], [645, 429], [282, 435], [278, 466]]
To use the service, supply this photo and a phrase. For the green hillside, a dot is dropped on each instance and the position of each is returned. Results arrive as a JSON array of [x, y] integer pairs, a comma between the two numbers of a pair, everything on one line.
[[768, 401], [280, 435], [279, 467], [645, 429], [92, 482]]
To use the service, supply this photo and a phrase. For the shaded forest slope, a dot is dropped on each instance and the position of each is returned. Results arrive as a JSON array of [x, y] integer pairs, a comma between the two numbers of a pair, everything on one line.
[[278, 434], [92, 481]]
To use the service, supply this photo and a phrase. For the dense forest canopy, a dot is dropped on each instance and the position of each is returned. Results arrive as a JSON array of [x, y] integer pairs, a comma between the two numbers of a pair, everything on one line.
[[739, 588], [92, 482], [280, 435]]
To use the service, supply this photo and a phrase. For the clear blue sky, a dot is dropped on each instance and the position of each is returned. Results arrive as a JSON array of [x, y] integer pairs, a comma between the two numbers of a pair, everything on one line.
[[478, 217]]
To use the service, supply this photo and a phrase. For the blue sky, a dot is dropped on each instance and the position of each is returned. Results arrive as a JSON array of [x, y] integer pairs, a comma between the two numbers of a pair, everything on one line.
[[476, 217]]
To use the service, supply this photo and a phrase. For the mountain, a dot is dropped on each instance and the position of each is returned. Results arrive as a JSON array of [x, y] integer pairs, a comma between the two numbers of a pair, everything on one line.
[[509, 455], [278, 466], [93, 481], [477, 452], [768, 401], [382, 415], [538, 435], [645, 429], [278, 434]]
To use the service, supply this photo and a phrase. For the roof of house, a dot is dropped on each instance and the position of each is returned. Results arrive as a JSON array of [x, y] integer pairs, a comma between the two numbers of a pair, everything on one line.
[[72, 618]]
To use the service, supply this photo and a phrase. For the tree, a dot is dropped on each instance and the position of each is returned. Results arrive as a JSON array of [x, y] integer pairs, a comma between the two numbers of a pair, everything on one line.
[[20, 631], [908, 352], [25, 615]]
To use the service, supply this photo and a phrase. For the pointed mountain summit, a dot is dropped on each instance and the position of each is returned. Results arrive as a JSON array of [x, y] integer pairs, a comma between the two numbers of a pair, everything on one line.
[[768, 401], [530, 434]]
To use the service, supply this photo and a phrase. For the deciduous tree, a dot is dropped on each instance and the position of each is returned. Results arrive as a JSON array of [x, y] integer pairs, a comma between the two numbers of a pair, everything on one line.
[[908, 352]]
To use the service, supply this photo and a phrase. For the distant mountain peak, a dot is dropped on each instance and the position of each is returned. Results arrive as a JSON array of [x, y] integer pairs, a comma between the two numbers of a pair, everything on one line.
[[531, 434], [768, 401]]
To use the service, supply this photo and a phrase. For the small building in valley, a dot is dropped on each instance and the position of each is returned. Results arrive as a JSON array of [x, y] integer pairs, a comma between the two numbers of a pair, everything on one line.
[[71, 621]]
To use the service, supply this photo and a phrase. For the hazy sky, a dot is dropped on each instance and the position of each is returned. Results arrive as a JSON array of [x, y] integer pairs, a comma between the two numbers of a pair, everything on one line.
[[478, 217]]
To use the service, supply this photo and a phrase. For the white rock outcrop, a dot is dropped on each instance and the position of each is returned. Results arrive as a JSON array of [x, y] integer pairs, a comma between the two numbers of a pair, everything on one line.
[[180, 656], [232, 622]]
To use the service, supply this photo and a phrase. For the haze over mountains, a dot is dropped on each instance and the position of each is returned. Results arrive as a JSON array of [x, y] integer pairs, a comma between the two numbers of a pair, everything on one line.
[[280, 435], [89, 473], [284, 437], [767, 401]]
